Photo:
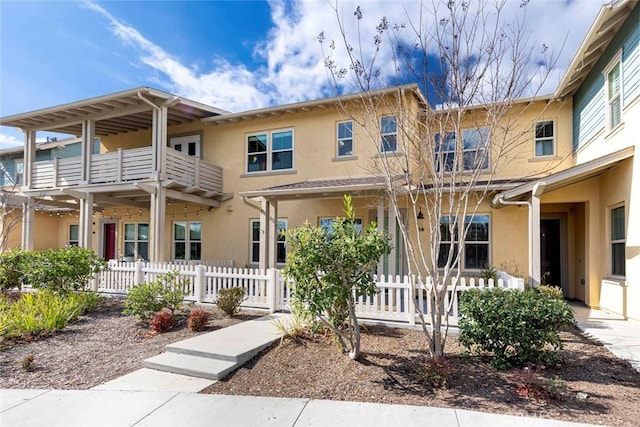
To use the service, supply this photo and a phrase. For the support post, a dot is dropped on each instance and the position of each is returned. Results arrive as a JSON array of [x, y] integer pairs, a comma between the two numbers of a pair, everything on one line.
[[198, 285], [264, 234], [534, 233], [138, 275], [28, 213], [412, 298], [380, 224], [88, 135], [86, 221], [273, 234], [29, 158], [272, 286]]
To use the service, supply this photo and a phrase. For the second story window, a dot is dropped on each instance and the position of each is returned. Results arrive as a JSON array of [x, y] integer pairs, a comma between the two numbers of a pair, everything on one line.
[[474, 150], [544, 138], [388, 134], [270, 151], [19, 172], [345, 139], [613, 90]]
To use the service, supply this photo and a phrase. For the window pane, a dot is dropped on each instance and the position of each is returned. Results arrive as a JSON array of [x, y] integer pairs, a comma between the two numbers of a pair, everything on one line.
[[195, 252], [443, 255], [345, 130], [195, 231], [614, 112], [475, 160], [74, 231], [143, 250], [544, 129], [255, 252], [179, 250], [192, 148], [257, 162], [257, 143], [617, 259], [475, 138], [478, 230], [388, 124], [282, 140], [389, 143], [178, 147], [282, 160], [345, 147], [143, 231], [281, 253], [476, 255], [614, 80], [544, 147], [129, 249], [617, 223], [255, 231], [179, 231]]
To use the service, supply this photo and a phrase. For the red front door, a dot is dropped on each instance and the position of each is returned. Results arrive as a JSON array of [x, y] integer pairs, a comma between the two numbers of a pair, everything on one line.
[[109, 241]]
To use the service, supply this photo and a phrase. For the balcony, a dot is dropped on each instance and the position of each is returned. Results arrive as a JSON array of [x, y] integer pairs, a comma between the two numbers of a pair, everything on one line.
[[128, 166]]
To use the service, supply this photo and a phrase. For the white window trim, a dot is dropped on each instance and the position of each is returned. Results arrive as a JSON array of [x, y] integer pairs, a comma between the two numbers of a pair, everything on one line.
[[382, 135], [463, 260], [270, 151], [187, 240], [182, 139], [69, 241], [461, 168], [611, 241], [338, 139], [617, 59], [251, 241], [535, 139], [15, 179]]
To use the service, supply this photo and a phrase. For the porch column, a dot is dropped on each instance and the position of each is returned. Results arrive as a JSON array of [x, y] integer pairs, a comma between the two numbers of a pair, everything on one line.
[[155, 125], [86, 221], [264, 233], [28, 212], [158, 223], [534, 233], [392, 235], [88, 135], [162, 142], [273, 234], [381, 229], [29, 158]]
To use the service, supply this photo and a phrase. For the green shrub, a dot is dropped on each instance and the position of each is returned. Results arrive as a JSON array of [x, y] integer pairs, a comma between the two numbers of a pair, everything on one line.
[[13, 264], [229, 300], [436, 372], [550, 291], [43, 312], [147, 299], [198, 319], [489, 272], [519, 328], [62, 270], [162, 321]]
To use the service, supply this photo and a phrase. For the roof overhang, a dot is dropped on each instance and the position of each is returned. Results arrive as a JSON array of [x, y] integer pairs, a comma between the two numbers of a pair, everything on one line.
[[566, 177], [127, 111], [305, 106], [604, 28], [332, 188]]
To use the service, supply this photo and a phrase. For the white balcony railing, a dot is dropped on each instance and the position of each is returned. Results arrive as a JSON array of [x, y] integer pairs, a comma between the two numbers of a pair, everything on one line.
[[127, 166]]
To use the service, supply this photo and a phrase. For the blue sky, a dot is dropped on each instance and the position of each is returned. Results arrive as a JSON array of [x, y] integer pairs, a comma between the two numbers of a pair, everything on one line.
[[235, 55]]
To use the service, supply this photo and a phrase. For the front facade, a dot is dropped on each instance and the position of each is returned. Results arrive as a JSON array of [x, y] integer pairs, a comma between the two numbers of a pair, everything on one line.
[[171, 179]]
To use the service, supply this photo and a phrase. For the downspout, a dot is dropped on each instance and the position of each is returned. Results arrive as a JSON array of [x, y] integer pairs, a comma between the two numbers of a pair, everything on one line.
[[499, 200]]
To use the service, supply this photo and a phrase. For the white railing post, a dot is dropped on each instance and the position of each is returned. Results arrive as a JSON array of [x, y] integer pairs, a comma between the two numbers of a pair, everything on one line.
[[411, 307], [119, 166], [198, 285], [272, 285], [138, 276]]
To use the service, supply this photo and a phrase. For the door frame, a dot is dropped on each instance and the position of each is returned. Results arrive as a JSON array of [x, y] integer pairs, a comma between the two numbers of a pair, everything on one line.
[[181, 138], [101, 236], [564, 249]]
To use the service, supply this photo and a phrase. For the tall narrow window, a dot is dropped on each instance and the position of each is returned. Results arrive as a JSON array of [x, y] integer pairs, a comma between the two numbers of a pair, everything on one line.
[[271, 151], [389, 134], [544, 138], [19, 172], [187, 240], [254, 241], [136, 240], [614, 89], [618, 257], [345, 139], [74, 233]]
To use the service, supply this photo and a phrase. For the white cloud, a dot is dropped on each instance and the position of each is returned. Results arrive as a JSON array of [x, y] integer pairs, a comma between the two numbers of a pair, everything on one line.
[[10, 141], [294, 69]]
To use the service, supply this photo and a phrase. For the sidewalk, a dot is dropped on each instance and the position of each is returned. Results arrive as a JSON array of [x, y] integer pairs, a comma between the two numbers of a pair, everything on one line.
[[22, 408]]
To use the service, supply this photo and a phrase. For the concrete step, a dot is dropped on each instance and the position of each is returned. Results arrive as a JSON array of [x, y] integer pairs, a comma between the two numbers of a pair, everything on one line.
[[194, 366], [153, 380], [238, 343]]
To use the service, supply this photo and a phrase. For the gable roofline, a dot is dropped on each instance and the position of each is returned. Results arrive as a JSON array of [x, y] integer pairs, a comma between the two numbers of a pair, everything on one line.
[[607, 23], [322, 103], [45, 145]]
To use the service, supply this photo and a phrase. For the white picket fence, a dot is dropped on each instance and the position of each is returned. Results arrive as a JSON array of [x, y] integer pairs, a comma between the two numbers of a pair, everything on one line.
[[396, 300]]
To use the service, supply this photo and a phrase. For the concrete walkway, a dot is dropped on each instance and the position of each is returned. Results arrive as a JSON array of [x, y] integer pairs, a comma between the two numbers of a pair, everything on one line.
[[152, 397], [69, 408]]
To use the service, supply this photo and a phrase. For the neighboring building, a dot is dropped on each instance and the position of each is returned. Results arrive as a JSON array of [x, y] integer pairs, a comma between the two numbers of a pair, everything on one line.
[[173, 179]]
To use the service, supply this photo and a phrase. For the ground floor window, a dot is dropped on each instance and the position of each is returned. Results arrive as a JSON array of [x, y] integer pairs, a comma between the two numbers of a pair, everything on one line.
[[475, 255], [136, 240], [187, 240], [327, 224], [254, 243], [617, 241], [74, 233]]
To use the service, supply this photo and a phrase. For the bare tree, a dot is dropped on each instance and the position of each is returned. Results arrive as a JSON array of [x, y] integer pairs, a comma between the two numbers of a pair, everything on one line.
[[10, 207], [447, 147]]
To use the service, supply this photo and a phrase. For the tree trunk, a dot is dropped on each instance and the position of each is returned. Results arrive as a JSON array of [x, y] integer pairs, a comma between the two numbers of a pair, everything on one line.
[[355, 351]]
